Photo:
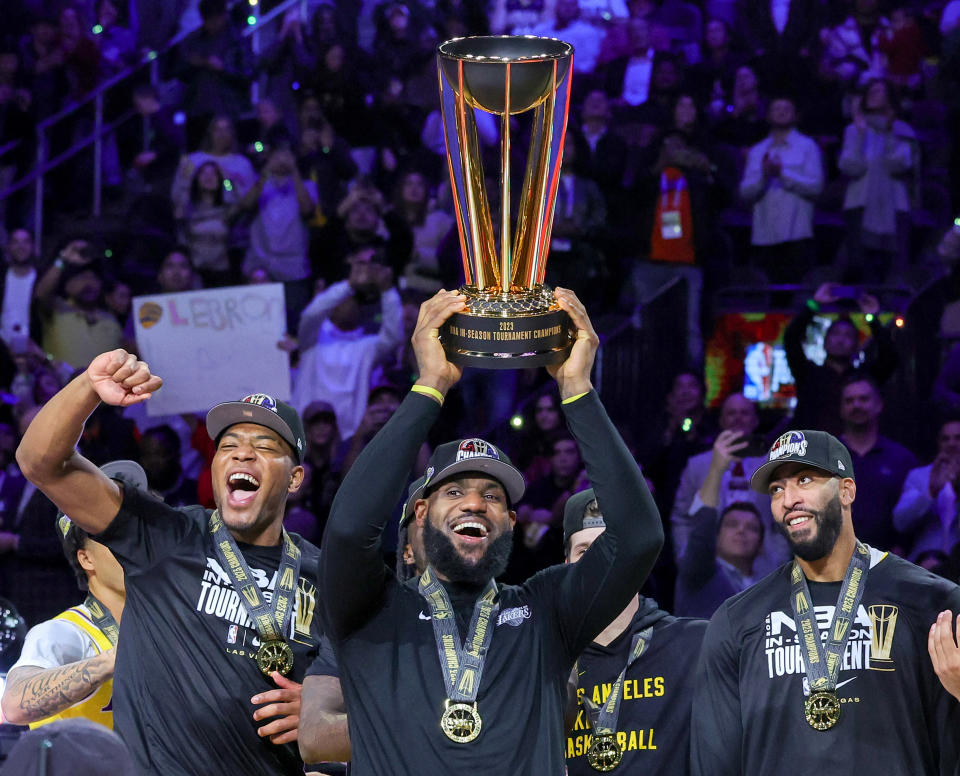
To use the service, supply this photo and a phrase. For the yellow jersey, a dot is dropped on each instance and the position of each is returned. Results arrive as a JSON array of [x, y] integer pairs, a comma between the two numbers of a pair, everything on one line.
[[98, 706]]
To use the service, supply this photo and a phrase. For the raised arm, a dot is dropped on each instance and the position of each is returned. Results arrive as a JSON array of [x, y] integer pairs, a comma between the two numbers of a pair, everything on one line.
[[47, 454], [601, 584], [352, 562]]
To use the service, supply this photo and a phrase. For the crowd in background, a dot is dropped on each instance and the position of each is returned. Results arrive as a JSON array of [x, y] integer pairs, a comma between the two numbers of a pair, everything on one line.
[[717, 143]]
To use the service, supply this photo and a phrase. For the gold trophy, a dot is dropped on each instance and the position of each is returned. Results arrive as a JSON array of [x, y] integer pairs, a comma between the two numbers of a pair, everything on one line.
[[512, 320]]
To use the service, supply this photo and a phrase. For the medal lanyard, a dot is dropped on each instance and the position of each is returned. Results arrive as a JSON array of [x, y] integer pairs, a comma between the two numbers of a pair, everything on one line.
[[102, 618], [823, 663], [603, 719], [462, 664], [679, 185], [271, 621]]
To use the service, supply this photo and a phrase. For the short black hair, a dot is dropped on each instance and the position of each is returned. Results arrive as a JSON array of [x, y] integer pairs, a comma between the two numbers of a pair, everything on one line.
[[743, 506], [73, 540]]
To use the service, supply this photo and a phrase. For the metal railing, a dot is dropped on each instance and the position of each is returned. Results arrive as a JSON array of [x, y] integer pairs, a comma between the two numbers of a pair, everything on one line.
[[95, 100]]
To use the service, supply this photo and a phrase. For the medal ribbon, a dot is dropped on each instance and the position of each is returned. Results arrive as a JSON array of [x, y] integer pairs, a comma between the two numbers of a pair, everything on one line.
[[462, 663], [271, 621], [603, 719], [102, 618], [823, 661]]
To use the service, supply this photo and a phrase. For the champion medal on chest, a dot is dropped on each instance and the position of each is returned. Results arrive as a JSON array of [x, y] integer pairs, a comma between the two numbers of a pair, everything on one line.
[[822, 709], [275, 655], [605, 753], [460, 722]]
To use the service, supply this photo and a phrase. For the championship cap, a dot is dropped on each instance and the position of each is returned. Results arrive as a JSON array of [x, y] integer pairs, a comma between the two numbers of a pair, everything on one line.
[[816, 448], [474, 455], [414, 492], [77, 746], [263, 410], [575, 517]]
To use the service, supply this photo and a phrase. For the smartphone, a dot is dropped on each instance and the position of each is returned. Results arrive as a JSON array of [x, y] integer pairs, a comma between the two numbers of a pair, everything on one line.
[[756, 447]]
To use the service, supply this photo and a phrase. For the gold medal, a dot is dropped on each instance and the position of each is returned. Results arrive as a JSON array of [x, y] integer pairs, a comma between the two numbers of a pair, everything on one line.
[[460, 722], [605, 753], [822, 709], [275, 655]]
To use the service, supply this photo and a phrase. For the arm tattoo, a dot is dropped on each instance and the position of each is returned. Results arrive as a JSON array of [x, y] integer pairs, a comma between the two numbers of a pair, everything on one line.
[[50, 691]]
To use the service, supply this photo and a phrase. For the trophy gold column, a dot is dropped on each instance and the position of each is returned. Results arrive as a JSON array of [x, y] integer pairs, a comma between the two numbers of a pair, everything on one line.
[[512, 320]]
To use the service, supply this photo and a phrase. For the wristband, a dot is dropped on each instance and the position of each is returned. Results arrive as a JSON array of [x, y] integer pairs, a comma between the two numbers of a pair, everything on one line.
[[813, 305], [59, 263], [572, 399], [426, 390]]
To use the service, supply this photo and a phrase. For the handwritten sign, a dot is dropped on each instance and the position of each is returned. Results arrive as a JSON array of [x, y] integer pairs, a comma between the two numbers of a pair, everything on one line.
[[213, 345]]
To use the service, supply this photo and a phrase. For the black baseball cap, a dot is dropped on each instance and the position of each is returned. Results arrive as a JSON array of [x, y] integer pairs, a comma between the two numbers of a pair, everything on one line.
[[263, 410], [574, 514], [474, 455], [130, 473], [319, 409], [816, 448], [414, 492]]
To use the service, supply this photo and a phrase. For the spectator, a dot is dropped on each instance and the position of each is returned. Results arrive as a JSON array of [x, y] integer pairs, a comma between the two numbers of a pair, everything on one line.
[[538, 533], [336, 355], [288, 63], [508, 17], [323, 439], [43, 58], [567, 25], [18, 318], [718, 561], [149, 146], [215, 67], [430, 227], [160, 451], [903, 46], [382, 402], [881, 465], [324, 158], [576, 259], [819, 385], [601, 152], [742, 118], [926, 514], [781, 28], [76, 325], [281, 202], [714, 73], [627, 78], [684, 24], [737, 453], [219, 146], [361, 224], [783, 176], [176, 272], [850, 49], [204, 221], [81, 56], [117, 44], [877, 155]]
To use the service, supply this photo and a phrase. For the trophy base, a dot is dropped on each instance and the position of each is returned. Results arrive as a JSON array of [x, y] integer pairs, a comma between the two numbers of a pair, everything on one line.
[[508, 339]]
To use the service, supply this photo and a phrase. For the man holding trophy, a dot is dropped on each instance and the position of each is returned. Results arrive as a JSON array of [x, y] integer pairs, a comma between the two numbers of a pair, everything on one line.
[[451, 672]]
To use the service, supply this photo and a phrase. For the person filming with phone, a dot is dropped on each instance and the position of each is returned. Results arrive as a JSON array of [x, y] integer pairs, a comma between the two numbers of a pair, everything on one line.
[[726, 470], [819, 385]]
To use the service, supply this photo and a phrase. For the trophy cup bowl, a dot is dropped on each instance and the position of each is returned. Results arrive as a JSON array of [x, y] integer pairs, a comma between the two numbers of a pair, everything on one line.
[[512, 319]]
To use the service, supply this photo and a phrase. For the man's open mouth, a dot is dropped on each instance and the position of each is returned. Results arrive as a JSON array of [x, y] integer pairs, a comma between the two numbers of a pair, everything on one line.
[[242, 488]]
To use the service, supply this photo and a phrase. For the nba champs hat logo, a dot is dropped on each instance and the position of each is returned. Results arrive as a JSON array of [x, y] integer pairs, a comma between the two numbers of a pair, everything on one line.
[[818, 449], [476, 448], [793, 443], [474, 455], [261, 400]]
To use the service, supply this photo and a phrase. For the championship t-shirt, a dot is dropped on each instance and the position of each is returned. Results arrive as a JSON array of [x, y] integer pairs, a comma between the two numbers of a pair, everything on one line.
[[895, 716], [185, 658], [653, 728]]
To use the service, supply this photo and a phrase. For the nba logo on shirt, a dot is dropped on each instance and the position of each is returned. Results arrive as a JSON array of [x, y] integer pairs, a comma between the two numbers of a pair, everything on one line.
[[232, 634]]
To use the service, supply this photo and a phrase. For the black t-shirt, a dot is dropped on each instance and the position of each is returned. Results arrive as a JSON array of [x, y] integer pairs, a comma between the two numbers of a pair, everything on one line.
[[896, 718], [654, 724], [185, 668], [384, 640]]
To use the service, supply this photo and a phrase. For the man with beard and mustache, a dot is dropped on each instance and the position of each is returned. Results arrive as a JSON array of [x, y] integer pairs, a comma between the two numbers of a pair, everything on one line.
[[418, 701], [821, 664]]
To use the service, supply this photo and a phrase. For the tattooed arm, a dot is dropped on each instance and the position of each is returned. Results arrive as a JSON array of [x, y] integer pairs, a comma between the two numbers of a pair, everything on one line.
[[33, 693]]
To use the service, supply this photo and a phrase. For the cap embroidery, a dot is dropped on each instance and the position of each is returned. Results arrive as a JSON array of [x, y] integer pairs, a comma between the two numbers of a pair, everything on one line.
[[476, 448], [261, 400], [791, 443]]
